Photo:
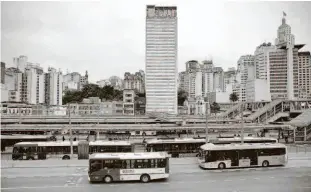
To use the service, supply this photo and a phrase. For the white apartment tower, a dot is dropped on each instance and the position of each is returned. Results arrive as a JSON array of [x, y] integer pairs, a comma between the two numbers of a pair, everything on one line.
[[53, 87], [161, 59], [193, 79], [208, 77], [33, 84], [242, 75]]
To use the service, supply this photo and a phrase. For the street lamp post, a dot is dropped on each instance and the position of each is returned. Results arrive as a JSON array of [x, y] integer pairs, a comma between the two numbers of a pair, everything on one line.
[[70, 133], [206, 123], [242, 124]]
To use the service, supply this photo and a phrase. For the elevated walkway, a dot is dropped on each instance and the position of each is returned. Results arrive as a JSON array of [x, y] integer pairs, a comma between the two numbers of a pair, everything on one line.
[[277, 116], [303, 126], [232, 112], [266, 112]]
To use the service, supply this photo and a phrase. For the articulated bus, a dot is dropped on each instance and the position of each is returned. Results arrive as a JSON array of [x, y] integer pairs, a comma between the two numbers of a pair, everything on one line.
[[61, 149], [190, 146], [105, 167], [242, 155], [10, 140]]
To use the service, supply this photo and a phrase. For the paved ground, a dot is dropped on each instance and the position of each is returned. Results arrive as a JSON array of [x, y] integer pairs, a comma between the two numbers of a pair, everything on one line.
[[185, 176]]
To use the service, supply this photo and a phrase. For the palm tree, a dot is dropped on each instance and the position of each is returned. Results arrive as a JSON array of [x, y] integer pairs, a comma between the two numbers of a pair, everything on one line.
[[215, 108], [233, 97]]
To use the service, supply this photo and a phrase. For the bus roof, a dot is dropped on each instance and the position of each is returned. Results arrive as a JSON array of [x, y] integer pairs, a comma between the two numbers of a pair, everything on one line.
[[110, 143], [25, 136], [176, 140], [146, 155], [47, 144], [247, 139], [212, 147], [192, 140], [74, 143]]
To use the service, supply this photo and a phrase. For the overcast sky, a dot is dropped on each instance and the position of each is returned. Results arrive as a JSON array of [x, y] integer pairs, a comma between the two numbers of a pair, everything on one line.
[[108, 38]]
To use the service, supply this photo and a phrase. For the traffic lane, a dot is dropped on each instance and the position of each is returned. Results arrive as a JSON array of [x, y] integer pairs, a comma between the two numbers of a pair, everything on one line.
[[43, 172], [226, 176], [277, 184], [176, 166]]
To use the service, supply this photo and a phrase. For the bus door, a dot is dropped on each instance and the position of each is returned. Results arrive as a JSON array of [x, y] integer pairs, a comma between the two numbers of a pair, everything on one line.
[[234, 156]]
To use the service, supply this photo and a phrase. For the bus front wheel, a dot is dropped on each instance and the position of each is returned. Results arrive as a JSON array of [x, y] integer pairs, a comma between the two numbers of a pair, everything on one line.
[[265, 163], [221, 166], [145, 178], [107, 179]]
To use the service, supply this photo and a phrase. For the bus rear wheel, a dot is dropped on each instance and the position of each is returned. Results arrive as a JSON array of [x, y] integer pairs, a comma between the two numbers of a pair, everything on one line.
[[265, 163], [145, 178], [221, 166], [107, 179], [66, 157]]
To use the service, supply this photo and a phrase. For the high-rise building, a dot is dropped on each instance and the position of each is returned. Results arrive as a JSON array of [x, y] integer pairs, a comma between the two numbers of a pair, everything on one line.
[[84, 80], [53, 87], [71, 81], [208, 77], [2, 72], [244, 63], [284, 35], [33, 84], [262, 59], [193, 79], [134, 81], [20, 62], [161, 59], [181, 80], [304, 74], [219, 75], [13, 83]]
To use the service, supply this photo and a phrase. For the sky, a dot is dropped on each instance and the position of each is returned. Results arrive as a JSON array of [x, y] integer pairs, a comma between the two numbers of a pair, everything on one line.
[[107, 38]]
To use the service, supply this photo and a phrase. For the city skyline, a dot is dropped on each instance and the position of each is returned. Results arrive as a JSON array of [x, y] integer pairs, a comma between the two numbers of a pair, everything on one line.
[[229, 27]]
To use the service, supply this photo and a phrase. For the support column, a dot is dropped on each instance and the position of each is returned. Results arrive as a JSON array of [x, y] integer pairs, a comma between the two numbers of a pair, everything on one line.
[[294, 135], [305, 134], [97, 136]]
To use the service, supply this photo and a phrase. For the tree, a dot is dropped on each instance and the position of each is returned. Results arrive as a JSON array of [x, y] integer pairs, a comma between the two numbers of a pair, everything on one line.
[[182, 96], [234, 97], [93, 90], [215, 108]]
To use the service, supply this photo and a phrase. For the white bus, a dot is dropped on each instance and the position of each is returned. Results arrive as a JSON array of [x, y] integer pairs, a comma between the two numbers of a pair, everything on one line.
[[108, 167], [190, 146], [61, 149], [242, 155], [10, 140]]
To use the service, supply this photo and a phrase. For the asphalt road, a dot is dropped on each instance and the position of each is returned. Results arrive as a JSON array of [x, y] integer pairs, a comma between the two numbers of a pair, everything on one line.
[[185, 176]]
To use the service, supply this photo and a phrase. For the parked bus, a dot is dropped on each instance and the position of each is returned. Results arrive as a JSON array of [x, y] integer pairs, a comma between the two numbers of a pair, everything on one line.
[[10, 140], [110, 146], [190, 146], [242, 155], [108, 167], [44, 150]]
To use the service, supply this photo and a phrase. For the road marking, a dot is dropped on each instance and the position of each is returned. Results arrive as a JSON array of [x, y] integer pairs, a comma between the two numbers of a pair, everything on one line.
[[228, 180], [79, 181], [257, 178], [271, 177], [42, 187], [242, 179]]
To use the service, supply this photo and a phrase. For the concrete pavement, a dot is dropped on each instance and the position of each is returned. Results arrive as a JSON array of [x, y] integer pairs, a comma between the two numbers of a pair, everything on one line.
[[185, 175]]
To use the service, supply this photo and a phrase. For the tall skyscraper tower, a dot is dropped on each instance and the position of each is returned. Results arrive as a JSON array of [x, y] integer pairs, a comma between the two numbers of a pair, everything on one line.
[[161, 59]]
